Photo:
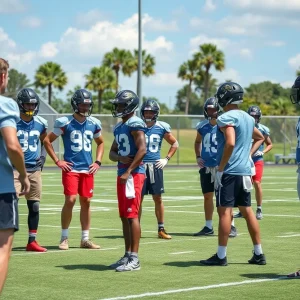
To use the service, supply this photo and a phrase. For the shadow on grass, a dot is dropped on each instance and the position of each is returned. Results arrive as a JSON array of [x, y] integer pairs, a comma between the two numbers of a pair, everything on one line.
[[264, 275], [91, 267], [183, 264], [47, 247]]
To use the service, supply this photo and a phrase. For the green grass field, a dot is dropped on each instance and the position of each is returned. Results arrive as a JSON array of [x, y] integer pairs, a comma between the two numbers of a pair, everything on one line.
[[169, 269]]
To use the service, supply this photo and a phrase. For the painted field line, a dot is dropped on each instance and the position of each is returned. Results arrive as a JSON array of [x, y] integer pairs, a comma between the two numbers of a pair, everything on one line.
[[184, 252], [288, 236], [196, 288]]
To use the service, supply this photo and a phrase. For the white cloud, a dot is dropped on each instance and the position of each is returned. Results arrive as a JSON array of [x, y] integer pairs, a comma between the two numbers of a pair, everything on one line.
[[158, 25], [104, 36], [287, 84], [166, 79], [89, 18], [294, 62], [11, 6], [5, 42], [48, 50], [227, 74], [18, 60], [221, 43], [31, 22], [276, 5], [275, 43], [197, 23], [246, 53], [209, 5]]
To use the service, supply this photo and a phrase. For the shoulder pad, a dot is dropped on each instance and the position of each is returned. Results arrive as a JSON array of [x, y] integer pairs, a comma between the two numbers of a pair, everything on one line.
[[136, 122], [164, 125], [41, 120], [201, 124], [95, 121], [265, 129], [63, 121]]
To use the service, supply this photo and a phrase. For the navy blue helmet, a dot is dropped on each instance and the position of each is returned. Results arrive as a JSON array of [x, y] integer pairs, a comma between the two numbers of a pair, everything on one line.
[[29, 96], [150, 105], [255, 112], [229, 93], [295, 91], [129, 101], [214, 111], [82, 96]]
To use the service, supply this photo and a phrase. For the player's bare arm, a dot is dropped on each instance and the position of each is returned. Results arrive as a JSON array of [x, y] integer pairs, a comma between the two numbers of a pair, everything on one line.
[[48, 140], [197, 144], [269, 144], [258, 139], [16, 156], [95, 166], [229, 135], [114, 156], [169, 137]]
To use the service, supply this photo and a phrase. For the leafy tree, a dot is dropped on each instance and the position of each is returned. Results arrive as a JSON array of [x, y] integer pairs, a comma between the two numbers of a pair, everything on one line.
[[17, 81], [119, 60], [50, 75], [100, 80], [196, 104], [148, 63]]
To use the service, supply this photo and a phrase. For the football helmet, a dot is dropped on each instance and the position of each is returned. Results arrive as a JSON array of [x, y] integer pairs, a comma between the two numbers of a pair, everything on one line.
[[213, 104], [128, 99], [255, 112], [295, 91], [229, 93], [29, 96], [82, 96], [150, 105]]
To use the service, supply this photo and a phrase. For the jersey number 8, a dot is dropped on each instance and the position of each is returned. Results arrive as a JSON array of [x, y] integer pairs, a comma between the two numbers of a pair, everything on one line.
[[81, 140]]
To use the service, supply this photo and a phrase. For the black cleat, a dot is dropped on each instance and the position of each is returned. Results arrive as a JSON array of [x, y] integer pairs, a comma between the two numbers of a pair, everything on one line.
[[233, 232], [238, 215], [204, 231], [257, 259], [214, 261]]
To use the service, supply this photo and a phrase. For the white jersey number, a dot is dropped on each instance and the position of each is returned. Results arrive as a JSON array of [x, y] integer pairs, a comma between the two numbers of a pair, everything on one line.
[[81, 141], [208, 140], [152, 142], [123, 144], [24, 137]]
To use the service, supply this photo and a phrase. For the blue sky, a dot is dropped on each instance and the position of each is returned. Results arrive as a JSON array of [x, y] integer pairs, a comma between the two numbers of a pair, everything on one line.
[[259, 38]]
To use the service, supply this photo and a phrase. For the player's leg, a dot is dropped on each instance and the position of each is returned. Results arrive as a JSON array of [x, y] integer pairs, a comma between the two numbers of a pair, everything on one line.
[[132, 209], [9, 223], [145, 191], [70, 182], [244, 204], [259, 167], [207, 188], [33, 204], [298, 182]]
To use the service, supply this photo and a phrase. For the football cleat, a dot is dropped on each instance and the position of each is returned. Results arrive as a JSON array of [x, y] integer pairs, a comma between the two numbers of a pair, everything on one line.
[[122, 261], [132, 264], [162, 234], [34, 246], [257, 259], [233, 232], [64, 244], [88, 244], [214, 261], [204, 231], [259, 214], [238, 215], [294, 275]]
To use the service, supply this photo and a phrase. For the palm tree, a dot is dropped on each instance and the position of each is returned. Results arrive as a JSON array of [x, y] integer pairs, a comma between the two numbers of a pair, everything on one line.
[[119, 60], [148, 63], [189, 71], [17, 81], [200, 81], [50, 75], [207, 57], [99, 80]]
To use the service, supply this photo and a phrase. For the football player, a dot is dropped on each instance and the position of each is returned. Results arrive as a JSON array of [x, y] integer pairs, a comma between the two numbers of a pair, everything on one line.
[[257, 157], [155, 133], [295, 98], [10, 154], [235, 132], [31, 132], [78, 169], [128, 149]]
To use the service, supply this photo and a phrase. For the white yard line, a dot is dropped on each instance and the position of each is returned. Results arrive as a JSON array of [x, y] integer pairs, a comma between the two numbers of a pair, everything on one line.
[[196, 288], [288, 236], [184, 252]]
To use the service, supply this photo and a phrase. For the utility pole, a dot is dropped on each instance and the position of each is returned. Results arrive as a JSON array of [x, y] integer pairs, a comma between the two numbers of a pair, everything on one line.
[[140, 62]]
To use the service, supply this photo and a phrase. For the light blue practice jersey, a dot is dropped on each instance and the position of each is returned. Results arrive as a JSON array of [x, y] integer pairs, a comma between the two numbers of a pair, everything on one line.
[[265, 131], [298, 144], [154, 136], [9, 116], [209, 143], [77, 138], [125, 141], [28, 134], [243, 124]]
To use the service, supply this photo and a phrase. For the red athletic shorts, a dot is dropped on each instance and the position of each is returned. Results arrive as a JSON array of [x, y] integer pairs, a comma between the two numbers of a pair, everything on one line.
[[78, 183], [259, 169], [129, 208]]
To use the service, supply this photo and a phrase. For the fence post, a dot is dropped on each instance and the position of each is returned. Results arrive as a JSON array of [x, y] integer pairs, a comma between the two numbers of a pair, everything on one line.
[[178, 149], [284, 141]]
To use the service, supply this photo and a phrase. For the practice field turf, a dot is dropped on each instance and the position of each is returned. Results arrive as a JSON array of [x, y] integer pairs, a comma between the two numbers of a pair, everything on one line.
[[170, 269]]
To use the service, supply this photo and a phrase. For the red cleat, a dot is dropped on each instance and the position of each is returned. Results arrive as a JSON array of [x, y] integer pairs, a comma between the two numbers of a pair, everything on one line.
[[34, 246]]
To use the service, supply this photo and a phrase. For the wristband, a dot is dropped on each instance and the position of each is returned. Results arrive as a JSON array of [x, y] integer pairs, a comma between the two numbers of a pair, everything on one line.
[[98, 163], [168, 157], [198, 156]]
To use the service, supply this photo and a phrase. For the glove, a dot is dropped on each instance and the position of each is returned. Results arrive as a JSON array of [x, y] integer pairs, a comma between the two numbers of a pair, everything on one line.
[[218, 180], [200, 162], [258, 153], [161, 163], [40, 162]]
